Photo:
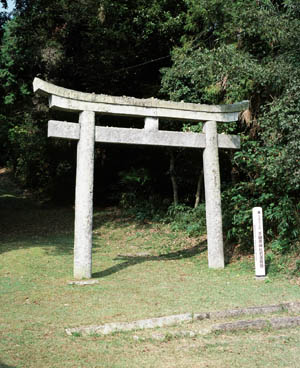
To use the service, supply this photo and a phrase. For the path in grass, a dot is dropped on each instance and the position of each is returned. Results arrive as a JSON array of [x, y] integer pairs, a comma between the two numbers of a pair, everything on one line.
[[144, 271]]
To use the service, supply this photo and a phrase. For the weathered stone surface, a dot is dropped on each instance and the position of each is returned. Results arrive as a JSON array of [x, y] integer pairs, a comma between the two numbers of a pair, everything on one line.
[[291, 307], [151, 124], [285, 322], [213, 197], [241, 325], [63, 103], [149, 137], [264, 309], [246, 311], [61, 129], [281, 322], [43, 87], [109, 328], [229, 141], [172, 335], [84, 282], [261, 278], [84, 197]]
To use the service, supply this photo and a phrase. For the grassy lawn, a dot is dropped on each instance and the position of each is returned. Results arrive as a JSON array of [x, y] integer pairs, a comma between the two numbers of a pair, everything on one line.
[[144, 271]]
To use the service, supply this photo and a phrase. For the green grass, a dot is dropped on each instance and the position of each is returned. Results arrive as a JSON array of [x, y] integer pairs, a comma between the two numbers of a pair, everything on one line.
[[144, 271]]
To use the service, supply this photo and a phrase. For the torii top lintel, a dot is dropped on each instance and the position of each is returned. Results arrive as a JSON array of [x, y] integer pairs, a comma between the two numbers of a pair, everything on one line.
[[70, 100]]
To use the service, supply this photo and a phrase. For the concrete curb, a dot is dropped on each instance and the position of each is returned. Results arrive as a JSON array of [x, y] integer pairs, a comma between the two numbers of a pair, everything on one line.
[[109, 328]]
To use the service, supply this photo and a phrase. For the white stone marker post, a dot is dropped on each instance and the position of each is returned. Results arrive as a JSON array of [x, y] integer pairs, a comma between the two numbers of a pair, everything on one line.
[[258, 235], [213, 197], [84, 197]]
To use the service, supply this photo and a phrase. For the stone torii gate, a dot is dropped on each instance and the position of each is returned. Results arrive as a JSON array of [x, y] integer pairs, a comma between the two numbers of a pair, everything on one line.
[[88, 104]]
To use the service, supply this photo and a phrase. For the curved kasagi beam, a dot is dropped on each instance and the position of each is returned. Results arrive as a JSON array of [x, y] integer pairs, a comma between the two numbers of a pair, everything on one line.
[[67, 99]]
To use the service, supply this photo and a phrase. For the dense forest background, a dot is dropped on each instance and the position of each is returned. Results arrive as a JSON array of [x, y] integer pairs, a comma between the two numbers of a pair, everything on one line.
[[208, 51]]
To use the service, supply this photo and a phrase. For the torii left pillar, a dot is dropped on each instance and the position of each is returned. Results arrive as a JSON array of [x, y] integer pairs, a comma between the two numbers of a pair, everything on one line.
[[84, 197]]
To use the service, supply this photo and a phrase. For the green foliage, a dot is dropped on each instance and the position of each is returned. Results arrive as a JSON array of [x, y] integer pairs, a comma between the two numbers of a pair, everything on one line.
[[4, 127], [222, 75], [281, 136], [249, 50], [143, 210], [185, 218], [270, 166], [134, 177], [297, 268], [93, 46], [29, 142], [133, 182]]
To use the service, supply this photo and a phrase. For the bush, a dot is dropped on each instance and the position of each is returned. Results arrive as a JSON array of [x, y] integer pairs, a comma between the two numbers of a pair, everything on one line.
[[185, 218]]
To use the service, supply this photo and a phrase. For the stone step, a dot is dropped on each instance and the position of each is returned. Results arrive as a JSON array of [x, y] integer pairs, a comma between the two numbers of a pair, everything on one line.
[[285, 308]]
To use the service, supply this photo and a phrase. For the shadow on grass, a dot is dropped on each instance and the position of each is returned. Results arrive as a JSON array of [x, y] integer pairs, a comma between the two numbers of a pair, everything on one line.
[[30, 227], [2, 365], [27, 226], [234, 252], [132, 260], [27, 223]]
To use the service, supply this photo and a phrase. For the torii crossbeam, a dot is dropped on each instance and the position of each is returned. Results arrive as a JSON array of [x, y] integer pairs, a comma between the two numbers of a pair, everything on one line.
[[88, 104]]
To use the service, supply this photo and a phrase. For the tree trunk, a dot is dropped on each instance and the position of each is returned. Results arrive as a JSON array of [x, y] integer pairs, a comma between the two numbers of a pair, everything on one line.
[[199, 189], [173, 178]]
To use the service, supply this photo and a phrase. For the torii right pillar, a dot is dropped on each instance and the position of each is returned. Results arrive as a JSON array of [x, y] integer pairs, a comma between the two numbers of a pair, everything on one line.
[[212, 185]]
